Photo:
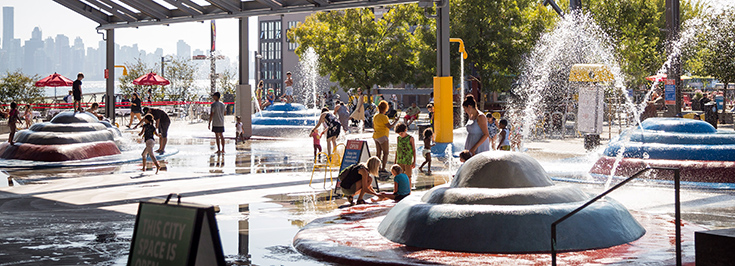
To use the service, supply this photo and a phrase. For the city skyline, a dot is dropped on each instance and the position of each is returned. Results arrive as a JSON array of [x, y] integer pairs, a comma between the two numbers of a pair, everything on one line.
[[27, 17]]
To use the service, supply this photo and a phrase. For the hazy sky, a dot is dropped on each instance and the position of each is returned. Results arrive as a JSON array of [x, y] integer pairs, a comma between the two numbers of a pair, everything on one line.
[[54, 19]]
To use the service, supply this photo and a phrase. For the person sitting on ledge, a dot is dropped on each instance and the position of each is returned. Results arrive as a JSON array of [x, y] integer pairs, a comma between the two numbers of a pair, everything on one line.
[[356, 179], [412, 113], [93, 110], [401, 185]]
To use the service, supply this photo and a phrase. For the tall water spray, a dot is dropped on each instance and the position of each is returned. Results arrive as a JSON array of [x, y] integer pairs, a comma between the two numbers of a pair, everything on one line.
[[544, 82], [309, 78]]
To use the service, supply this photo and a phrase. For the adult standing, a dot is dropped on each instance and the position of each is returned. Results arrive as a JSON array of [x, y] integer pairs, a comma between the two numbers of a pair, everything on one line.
[[135, 108], [381, 130], [358, 179], [162, 124], [359, 113], [333, 127], [217, 122], [76, 89], [340, 110], [477, 134]]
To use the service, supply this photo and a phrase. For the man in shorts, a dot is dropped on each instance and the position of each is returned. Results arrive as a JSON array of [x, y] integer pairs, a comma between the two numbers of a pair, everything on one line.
[[288, 92], [217, 122], [76, 89], [162, 124]]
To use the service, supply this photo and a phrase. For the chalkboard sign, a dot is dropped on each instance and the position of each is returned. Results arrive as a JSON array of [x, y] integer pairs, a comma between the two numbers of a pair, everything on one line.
[[175, 234], [355, 151]]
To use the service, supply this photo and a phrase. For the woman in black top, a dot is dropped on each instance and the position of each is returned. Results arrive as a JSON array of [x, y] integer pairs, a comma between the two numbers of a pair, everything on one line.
[[135, 108], [358, 179]]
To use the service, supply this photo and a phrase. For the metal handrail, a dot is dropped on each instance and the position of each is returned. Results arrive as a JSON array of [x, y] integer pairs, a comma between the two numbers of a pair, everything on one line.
[[677, 211]]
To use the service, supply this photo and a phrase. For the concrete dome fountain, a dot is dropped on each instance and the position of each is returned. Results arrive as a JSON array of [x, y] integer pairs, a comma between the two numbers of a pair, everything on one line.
[[68, 136], [504, 202]]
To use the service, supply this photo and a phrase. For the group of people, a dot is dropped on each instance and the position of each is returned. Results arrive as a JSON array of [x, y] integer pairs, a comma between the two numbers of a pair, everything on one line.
[[267, 99], [481, 131]]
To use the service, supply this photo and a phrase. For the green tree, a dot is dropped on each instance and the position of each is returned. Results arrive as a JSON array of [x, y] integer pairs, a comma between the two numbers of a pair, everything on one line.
[[227, 81], [17, 87], [636, 26], [715, 53], [356, 50], [180, 72], [137, 69], [496, 35]]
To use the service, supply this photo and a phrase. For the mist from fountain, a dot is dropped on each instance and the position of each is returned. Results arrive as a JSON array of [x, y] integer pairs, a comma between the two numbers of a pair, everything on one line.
[[309, 79]]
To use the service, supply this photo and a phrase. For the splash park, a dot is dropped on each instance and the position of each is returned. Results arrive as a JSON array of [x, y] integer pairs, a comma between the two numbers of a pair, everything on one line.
[[583, 187]]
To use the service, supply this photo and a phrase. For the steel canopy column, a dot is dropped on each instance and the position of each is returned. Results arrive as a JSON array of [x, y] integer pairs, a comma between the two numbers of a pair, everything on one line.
[[443, 88], [110, 66], [243, 99], [674, 70]]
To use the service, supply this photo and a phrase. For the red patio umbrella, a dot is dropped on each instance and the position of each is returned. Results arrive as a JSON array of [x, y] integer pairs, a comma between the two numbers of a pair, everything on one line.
[[657, 77], [151, 79], [54, 80]]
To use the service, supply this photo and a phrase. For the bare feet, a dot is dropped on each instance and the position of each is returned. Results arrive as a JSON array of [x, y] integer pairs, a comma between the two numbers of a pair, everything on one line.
[[158, 168], [143, 168]]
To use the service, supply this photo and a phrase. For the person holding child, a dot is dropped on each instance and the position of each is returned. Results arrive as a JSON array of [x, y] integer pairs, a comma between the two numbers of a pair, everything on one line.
[[333, 128], [148, 130], [401, 185], [358, 180], [428, 138], [405, 150]]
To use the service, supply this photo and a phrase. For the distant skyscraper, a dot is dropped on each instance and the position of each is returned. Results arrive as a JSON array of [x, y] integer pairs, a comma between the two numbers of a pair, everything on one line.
[[33, 54], [8, 33], [183, 50]]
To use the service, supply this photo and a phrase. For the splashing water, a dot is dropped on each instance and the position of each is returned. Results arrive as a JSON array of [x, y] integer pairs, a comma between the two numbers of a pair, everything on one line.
[[309, 81]]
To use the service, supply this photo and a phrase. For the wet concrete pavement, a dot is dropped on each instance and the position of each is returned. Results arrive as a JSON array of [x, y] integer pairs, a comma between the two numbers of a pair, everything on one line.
[[85, 215]]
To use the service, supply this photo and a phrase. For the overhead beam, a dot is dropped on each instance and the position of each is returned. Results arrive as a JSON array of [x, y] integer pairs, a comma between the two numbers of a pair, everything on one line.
[[159, 12], [122, 9], [319, 2], [273, 4], [226, 5], [112, 11], [254, 8], [184, 7], [85, 10]]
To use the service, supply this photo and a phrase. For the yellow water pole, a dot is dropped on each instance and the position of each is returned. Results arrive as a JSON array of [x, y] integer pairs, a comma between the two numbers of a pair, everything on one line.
[[443, 109], [444, 103]]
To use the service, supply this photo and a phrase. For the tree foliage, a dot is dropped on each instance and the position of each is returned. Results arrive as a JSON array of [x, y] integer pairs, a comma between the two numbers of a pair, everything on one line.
[[17, 87], [356, 50], [637, 27], [496, 35], [227, 81], [135, 70], [180, 72]]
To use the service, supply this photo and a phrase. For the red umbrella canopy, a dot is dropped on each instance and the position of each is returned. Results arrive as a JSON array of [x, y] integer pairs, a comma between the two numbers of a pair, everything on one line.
[[657, 77], [54, 80], [151, 79]]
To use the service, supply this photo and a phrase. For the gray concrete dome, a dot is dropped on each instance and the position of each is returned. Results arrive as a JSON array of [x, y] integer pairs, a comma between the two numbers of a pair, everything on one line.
[[504, 202]]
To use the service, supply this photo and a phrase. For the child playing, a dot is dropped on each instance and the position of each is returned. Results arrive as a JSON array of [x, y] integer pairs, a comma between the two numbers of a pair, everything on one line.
[[515, 138], [405, 150], [492, 129], [28, 116], [401, 184], [239, 132], [148, 131], [503, 140], [428, 136], [12, 119], [317, 142], [464, 156]]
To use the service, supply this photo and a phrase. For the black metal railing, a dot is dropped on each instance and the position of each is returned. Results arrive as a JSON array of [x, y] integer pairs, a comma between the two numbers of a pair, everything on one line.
[[677, 211]]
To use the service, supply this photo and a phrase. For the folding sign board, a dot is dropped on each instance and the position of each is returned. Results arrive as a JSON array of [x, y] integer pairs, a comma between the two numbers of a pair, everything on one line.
[[175, 234], [355, 151]]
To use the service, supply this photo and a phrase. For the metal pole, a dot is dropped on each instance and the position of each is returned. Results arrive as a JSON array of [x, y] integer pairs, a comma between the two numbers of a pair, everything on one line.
[[677, 216], [162, 62], [110, 82], [212, 59]]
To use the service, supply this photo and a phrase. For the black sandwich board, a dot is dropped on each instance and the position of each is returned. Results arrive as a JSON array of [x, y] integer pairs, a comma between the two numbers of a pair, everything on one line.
[[181, 234]]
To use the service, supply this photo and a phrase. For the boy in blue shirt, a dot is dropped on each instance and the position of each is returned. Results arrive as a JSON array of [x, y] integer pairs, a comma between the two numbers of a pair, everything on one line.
[[401, 186]]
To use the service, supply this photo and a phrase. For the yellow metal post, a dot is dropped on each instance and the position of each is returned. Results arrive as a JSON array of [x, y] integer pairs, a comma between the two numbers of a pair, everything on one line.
[[443, 109]]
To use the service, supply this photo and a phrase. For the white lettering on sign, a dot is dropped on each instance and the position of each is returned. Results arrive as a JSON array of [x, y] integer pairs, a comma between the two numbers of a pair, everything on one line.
[[173, 230]]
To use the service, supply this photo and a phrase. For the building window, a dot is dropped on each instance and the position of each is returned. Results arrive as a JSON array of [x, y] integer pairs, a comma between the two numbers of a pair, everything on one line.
[[292, 45]]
